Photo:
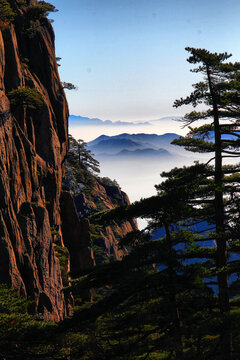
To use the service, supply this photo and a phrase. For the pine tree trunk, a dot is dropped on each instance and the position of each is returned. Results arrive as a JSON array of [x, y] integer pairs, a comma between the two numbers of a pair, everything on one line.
[[172, 297], [221, 260]]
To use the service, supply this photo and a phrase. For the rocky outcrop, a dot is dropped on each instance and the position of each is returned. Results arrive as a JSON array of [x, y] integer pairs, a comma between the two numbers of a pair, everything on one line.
[[104, 196], [33, 144], [76, 233]]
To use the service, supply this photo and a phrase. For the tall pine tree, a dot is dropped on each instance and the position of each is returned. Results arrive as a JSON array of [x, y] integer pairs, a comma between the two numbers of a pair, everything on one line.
[[219, 91]]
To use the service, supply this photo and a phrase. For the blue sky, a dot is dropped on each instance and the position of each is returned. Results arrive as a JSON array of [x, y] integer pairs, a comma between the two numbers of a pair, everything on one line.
[[127, 57]]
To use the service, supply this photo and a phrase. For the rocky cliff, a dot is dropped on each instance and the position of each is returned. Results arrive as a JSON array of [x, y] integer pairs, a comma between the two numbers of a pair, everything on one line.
[[39, 235], [33, 145], [105, 239], [76, 234], [91, 194]]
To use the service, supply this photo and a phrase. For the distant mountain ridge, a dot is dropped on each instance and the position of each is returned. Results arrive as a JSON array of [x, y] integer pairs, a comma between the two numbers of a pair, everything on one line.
[[114, 145], [79, 120], [130, 145], [144, 153], [85, 121]]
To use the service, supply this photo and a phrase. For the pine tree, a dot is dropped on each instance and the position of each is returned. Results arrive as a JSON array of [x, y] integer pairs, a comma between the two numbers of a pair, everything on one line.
[[80, 168], [154, 278], [220, 92], [78, 149]]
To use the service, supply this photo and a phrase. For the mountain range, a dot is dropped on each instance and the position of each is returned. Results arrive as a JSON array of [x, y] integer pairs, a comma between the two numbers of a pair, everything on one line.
[[133, 145], [86, 121]]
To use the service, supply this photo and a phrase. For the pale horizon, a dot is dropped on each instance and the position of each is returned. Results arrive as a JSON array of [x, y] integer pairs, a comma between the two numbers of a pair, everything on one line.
[[90, 132]]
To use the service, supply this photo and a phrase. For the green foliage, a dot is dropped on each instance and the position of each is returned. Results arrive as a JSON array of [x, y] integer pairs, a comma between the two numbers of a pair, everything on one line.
[[41, 9], [27, 97], [109, 182], [220, 92], [53, 230], [21, 335], [63, 256], [84, 156], [11, 302], [31, 29], [68, 86], [58, 59], [100, 254], [6, 13], [36, 14], [34, 203], [133, 238], [80, 168], [24, 63], [98, 244], [137, 315], [195, 145]]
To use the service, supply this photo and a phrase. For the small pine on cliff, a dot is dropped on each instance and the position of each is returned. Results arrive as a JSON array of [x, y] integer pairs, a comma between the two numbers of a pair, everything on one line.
[[93, 194]]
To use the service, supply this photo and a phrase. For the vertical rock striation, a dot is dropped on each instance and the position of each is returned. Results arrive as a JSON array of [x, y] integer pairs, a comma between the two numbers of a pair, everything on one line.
[[33, 144], [103, 197], [76, 233], [33, 147]]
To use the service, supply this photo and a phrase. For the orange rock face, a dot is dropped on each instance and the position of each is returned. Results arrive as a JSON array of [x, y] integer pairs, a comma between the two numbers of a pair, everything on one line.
[[33, 145], [76, 235], [107, 197]]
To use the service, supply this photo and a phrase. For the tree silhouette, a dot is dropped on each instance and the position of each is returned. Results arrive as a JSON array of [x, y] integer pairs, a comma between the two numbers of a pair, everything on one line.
[[219, 91]]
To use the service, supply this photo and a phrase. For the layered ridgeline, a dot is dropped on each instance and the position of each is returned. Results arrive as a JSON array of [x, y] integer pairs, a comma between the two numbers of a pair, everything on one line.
[[140, 159], [34, 231], [134, 146]]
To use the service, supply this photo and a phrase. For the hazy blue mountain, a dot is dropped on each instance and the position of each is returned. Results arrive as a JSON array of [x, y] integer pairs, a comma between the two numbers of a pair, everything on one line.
[[143, 153], [153, 139], [85, 121], [146, 144], [113, 146], [98, 139], [142, 137], [138, 169]]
